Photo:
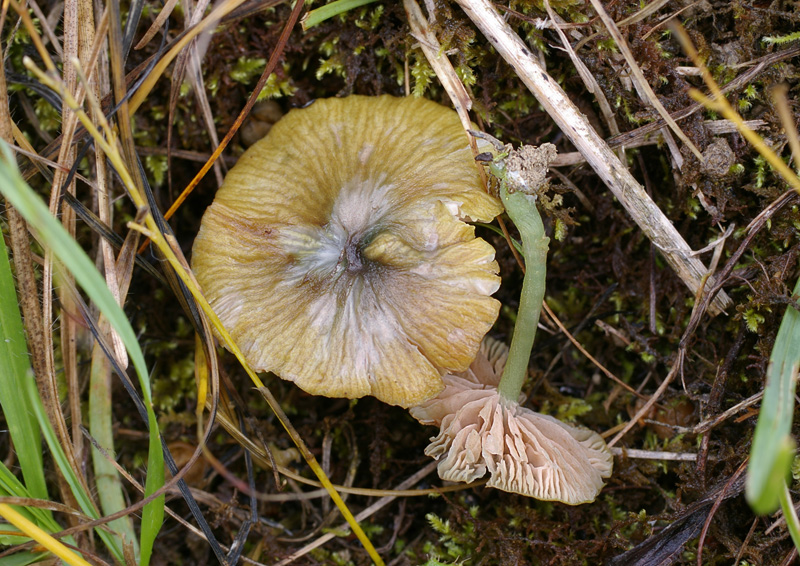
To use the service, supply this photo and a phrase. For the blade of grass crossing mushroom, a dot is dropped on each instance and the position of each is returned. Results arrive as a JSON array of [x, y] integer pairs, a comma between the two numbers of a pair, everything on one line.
[[14, 360], [168, 247], [225, 337], [231, 345], [163, 240], [773, 447], [150, 230], [184, 296], [52, 235]]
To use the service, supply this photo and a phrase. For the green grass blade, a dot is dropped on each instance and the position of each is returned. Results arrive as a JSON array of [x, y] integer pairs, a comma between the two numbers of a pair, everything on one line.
[[10, 486], [110, 492], [14, 368], [316, 17], [773, 448], [790, 514], [85, 502], [153, 513], [21, 558], [499, 232], [53, 236]]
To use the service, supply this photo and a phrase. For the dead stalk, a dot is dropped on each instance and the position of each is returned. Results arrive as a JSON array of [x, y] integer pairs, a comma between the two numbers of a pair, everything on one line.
[[652, 221]]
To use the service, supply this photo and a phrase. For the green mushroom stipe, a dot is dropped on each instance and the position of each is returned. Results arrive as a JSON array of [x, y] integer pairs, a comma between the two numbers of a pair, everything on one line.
[[521, 208]]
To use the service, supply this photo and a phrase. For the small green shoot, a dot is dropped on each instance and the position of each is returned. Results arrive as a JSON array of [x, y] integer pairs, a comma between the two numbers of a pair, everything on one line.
[[316, 17], [773, 448], [781, 39]]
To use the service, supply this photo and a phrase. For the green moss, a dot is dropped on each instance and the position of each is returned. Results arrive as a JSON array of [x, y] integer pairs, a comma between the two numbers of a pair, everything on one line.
[[277, 87], [49, 117], [246, 69], [753, 320], [608, 45], [157, 166], [369, 19], [422, 73], [176, 385], [454, 545], [781, 39], [568, 409], [332, 65]]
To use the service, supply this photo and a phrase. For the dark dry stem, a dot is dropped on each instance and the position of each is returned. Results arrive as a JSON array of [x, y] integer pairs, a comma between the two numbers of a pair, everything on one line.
[[521, 208]]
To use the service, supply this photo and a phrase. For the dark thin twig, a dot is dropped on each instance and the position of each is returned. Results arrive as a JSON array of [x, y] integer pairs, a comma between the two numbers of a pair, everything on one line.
[[105, 232], [271, 64], [712, 512], [715, 398]]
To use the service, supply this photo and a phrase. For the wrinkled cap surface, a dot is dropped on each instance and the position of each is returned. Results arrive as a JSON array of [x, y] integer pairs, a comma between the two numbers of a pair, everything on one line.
[[523, 451], [337, 255]]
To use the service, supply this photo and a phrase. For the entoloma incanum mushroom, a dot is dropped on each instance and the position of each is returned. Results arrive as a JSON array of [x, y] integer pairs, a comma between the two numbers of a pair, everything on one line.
[[483, 426], [337, 255]]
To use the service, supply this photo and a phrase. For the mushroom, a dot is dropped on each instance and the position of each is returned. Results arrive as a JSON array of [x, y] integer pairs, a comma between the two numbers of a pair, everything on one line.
[[337, 252], [483, 426], [523, 451]]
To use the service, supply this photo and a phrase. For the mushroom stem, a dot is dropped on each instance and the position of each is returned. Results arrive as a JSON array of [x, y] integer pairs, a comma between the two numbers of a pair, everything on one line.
[[521, 208]]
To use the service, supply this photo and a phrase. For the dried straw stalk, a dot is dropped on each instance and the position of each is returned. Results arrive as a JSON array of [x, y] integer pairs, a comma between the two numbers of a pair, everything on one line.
[[656, 226]]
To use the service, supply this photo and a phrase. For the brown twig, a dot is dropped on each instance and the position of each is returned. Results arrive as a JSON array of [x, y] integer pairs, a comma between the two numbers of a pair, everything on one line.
[[591, 358], [720, 498], [271, 64]]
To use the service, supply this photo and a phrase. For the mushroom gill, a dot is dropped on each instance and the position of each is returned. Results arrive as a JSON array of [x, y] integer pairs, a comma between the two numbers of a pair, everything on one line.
[[523, 451], [337, 255]]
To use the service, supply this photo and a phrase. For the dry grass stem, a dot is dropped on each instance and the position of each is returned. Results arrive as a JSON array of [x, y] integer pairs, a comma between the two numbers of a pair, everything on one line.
[[440, 64], [654, 455], [714, 127], [573, 123], [157, 24], [363, 515], [586, 76], [785, 113], [640, 82], [710, 423]]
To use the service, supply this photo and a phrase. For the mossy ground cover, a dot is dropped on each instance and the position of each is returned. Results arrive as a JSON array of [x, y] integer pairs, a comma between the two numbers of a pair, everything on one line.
[[606, 283]]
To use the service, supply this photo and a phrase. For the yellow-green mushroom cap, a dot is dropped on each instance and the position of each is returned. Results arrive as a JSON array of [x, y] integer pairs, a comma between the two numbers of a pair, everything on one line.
[[337, 255]]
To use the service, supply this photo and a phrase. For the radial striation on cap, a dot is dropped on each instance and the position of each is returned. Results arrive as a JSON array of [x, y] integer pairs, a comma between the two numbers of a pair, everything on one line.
[[337, 252]]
